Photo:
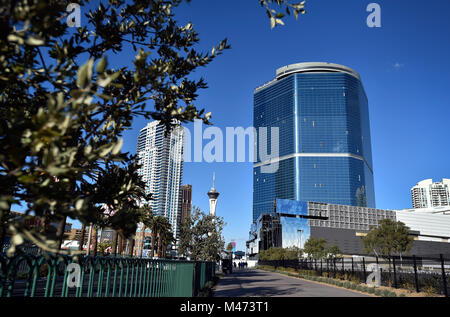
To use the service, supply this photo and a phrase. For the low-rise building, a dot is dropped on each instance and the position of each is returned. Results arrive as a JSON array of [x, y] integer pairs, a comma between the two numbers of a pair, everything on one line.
[[292, 223]]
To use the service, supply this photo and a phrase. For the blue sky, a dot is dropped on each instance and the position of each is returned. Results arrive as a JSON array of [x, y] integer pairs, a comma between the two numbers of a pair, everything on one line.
[[404, 67]]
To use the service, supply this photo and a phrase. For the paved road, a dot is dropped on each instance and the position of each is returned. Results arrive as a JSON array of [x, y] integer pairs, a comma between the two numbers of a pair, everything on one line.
[[257, 283]]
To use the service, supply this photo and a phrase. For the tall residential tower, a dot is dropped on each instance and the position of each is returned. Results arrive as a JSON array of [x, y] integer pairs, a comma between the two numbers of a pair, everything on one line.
[[427, 194], [325, 155], [161, 158]]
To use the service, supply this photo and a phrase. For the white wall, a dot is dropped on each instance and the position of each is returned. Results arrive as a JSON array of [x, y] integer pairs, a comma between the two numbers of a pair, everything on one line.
[[428, 224]]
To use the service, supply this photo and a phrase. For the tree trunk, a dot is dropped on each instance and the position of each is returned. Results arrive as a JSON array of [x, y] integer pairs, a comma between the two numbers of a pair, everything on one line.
[[153, 243], [94, 241], [124, 246], [81, 238], [2, 234], [159, 245], [119, 244], [114, 243], [131, 247], [60, 231], [143, 238]]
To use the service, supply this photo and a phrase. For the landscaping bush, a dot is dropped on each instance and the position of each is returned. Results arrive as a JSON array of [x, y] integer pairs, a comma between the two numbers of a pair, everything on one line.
[[354, 279], [43, 270], [386, 293], [408, 286], [429, 290]]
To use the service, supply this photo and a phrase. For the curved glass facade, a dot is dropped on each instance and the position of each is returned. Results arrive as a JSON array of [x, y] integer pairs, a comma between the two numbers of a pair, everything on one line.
[[324, 147]]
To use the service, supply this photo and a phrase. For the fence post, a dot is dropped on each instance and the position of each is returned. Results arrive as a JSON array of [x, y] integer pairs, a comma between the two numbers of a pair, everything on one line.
[[364, 269], [334, 267], [321, 267], [444, 279], [395, 273], [415, 274]]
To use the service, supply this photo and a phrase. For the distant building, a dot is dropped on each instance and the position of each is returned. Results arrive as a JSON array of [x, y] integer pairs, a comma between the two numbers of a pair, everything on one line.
[[32, 222], [75, 234], [292, 223], [162, 167], [428, 194], [213, 195], [321, 112], [186, 202]]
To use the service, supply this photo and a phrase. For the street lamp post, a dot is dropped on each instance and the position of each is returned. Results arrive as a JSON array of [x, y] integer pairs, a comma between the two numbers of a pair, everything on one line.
[[300, 235]]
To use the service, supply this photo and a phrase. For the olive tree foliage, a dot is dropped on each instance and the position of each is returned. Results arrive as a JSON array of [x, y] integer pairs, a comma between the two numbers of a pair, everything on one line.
[[315, 248], [292, 253], [276, 16], [201, 236], [388, 239], [64, 109]]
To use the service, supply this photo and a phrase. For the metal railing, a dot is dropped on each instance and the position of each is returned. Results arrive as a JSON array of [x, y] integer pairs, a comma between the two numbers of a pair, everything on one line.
[[425, 273], [48, 275]]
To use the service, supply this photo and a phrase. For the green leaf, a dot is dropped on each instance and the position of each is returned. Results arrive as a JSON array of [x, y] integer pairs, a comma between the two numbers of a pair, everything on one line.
[[101, 65], [82, 75], [34, 41], [17, 239], [117, 147], [108, 79]]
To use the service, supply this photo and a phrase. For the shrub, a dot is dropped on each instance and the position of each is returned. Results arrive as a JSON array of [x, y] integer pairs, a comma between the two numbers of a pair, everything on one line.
[[22, 276], [378, 292], [386, 293], [408, 286], [43, 270], [371, 290], [354, 279], [429, 290]]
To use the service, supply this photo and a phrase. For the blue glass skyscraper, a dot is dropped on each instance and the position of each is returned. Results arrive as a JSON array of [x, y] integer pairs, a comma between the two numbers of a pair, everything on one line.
[[321, 111]]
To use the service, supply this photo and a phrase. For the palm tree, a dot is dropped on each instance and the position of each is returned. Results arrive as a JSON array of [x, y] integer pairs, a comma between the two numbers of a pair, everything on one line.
[[115, 242], [146, 223], [81, 239], [155, 225], [94, 240], [163, 232], [166, 239]]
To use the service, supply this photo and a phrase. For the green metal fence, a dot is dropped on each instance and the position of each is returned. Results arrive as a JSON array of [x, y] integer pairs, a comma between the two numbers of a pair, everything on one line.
[[51, 276]]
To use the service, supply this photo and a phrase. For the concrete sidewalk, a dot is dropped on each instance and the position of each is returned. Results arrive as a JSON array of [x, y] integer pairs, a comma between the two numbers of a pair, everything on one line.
[[258, 283]]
